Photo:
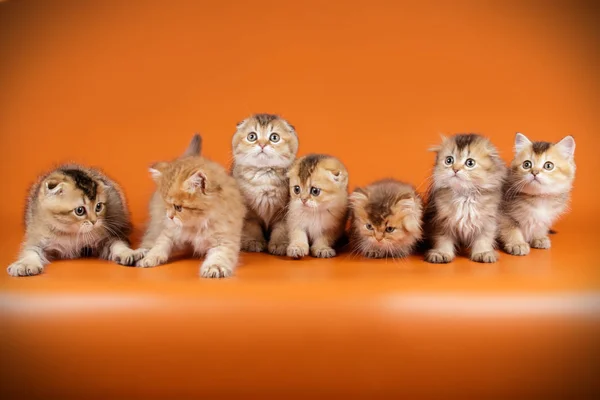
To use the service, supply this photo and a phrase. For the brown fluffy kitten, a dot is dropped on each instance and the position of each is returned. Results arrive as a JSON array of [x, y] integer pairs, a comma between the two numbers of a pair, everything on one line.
[[264, 148], [464, 200], [386, 219], [318, 207], [73, 212], [536, 193], [198, 205]]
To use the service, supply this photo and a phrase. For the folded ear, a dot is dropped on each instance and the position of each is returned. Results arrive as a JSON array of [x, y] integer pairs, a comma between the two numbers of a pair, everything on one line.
[[521, 142], [359, 197], [412, 224], [196, 182], [53, 187], [157, 169], [241, 123], [566, 147]]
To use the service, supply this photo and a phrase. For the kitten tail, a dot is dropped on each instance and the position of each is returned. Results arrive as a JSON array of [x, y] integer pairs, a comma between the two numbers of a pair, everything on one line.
[[195, 146]]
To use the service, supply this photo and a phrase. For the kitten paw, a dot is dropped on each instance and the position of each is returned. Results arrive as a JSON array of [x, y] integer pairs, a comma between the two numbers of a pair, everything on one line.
[[375, 254], [278, 249], [542, 243], [438, 257], [253, 246], [129, 257], [296, 251], [517, 249], [151, 260], [24, 268], [322, 252], [215, 271], [485, 257]]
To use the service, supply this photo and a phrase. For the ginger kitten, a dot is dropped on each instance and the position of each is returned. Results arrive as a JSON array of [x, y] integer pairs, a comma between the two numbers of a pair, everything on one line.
[[536, 193], [74, 211], [386, 219], [198, 205], [264, 148], [464, 199], [318, 207]]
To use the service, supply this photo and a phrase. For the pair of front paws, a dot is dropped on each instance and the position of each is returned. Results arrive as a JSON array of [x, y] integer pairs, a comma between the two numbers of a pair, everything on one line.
[[439, 257], [523, 248], [207, 270], [258, 246], [299, 250]]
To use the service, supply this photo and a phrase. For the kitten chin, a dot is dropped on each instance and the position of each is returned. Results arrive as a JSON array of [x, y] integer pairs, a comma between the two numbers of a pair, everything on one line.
[[264, 147], [196, 204], [536, 193], [385, 220], [318, 206], [74, 211], [464, 199]]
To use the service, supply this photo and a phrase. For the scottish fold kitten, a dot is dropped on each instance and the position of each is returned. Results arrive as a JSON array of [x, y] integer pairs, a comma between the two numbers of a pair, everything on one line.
[[386, 219], [464, 199], [196, 205], [536, 193], [74, 211], [264, 148], [318, 207]]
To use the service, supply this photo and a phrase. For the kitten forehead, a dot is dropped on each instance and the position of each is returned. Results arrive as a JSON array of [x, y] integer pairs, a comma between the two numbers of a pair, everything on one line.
[[308, 164], [82, 182], [540, 147]]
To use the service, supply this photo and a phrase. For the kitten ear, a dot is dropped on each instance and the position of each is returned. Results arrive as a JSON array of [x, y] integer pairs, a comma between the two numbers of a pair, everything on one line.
[[438, 147], [358, 197], [53, 187], [566, 147], [156, 170], [195, 182], [241, 123], [412, 224], [521, 142]]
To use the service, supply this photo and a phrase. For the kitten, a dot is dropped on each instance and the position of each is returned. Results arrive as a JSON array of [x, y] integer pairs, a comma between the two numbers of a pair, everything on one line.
[[318, 207], [264, 148], [198, 205], [74, 211], [537, 192], [464, 200], [386, 219]]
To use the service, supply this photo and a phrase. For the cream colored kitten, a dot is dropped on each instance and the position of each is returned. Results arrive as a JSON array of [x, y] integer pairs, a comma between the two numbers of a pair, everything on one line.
[[73, 212], [537, 192], [197, 205], [264, 148], [464, 200], [318, 207]]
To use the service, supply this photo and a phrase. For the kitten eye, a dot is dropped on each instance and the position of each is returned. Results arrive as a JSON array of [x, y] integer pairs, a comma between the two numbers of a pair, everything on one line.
[[99, 207], [527, 164], [297, 189], [470, 163], [549, 166], [274, 137], [177, 208], [449, 160], [315, 191], [369, 227], [79, 211], [390, 229], [252, 136]]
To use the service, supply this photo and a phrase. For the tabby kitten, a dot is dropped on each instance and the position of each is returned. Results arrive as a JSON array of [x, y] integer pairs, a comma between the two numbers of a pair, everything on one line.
[[386, 219], [198, 205], [264, 148], [536, 193], [464, 199], [74, 211], [318, 207]]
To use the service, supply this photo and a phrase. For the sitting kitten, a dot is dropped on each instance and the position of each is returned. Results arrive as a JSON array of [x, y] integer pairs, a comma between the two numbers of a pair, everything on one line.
[[536, 193], [196, 204], [264, 148], [464, 199], [72, 212], [386, 219], [318, 207]]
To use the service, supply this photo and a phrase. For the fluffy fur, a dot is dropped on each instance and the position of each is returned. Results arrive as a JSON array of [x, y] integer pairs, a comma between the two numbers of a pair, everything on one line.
[[386, 219], [197, 205], [536, 193], [318, 207], [74, 211], [264, 148], [464, 199]]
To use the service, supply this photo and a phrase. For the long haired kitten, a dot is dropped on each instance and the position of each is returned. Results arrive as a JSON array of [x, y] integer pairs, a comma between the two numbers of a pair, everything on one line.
[[536, 193], [318, 207], [264, 148], [386, 219], [464, 199], [198, 205], [74, 211]]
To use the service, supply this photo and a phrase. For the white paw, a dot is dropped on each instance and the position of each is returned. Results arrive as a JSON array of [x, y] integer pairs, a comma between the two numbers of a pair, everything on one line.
[[24, 268], [485, 257], [543, 243], [322, 252], [297, 251], [517, 249], [152, 260], [129, 257], [215, 271], [438, 257]]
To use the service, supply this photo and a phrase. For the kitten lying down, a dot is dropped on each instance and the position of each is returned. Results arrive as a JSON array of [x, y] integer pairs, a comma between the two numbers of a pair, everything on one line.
[[74, 211]]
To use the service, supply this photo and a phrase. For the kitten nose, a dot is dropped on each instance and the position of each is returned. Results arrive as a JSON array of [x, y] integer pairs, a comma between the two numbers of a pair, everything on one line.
[[455, 170], [262, 145], [304, 201], [535, 172]]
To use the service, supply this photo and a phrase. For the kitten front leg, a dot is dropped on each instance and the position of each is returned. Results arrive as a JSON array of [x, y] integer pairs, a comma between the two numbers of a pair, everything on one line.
[[298, 247], [158, 254], [443, 250], [278, 243], [31, 262], [119, 252], [482, 249], [220, 261], [322, 247], [513, 241], [540, 239], [253, 239]]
